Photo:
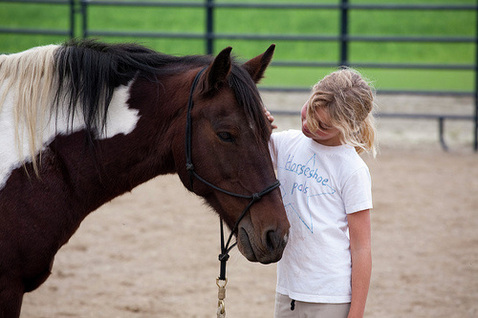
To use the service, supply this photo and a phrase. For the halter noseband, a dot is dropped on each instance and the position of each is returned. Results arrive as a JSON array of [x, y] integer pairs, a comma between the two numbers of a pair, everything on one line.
[[225, 248]]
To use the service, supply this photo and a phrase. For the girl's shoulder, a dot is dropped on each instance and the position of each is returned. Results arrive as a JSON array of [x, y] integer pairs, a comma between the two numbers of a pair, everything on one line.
[[287, 137], [291, 133]]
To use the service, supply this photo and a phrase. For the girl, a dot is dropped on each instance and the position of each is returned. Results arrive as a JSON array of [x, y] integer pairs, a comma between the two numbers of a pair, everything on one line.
[[326, 186]]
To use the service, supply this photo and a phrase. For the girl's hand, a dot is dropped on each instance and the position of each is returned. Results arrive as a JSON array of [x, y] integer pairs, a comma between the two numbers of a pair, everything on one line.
[[270, 118]]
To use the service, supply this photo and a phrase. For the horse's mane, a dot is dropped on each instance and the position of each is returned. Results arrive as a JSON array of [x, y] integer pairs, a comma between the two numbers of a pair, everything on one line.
[[89, 71], [84, 74], [107, 66]]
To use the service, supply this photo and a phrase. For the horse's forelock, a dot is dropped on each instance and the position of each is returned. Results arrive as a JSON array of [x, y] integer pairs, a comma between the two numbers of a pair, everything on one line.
[[249, 98]]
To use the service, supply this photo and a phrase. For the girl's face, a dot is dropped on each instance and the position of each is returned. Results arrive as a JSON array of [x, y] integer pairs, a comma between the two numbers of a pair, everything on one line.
[[326, 135]]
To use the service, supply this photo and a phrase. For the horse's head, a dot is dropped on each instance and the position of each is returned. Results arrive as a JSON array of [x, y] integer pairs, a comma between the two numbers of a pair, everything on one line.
[[229, 149]]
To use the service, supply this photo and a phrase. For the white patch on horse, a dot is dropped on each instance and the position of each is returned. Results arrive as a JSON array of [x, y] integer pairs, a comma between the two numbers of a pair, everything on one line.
[[120, 120]]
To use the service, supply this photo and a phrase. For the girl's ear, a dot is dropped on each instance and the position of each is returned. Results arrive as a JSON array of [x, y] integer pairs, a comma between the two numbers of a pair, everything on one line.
[[257, 66]]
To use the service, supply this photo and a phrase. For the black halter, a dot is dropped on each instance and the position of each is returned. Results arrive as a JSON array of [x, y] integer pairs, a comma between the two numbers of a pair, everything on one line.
[[225, 248]]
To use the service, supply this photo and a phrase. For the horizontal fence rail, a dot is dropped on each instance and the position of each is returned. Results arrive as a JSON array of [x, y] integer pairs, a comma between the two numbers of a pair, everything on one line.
[[69, 32], [343, 38]]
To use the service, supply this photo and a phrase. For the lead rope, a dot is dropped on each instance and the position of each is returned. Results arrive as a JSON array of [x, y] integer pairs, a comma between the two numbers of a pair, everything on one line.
[[221, 281]]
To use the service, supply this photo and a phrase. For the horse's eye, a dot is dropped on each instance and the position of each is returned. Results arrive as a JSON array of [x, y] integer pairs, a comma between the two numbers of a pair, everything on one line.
[[225, 136]]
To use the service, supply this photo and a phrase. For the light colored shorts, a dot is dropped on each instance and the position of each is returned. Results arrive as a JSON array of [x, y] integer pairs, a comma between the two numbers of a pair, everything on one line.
[[284, 305]]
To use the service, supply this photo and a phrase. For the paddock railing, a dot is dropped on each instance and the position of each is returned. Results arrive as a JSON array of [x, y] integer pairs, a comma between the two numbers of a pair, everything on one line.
[[67, 32], [79, 27]]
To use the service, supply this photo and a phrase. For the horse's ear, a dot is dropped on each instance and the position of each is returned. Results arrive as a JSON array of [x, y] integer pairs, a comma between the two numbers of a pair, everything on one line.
[[257, 66], [217, 72]]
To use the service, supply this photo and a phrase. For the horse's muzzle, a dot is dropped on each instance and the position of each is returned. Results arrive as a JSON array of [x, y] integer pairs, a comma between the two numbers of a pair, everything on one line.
[[265, 248]]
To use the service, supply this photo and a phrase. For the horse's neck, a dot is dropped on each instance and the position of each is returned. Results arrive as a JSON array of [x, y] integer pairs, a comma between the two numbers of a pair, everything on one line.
[[75, 179]]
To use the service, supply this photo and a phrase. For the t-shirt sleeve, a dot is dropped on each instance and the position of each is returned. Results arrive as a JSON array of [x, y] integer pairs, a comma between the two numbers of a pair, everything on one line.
[[357, 191], [274, 146]]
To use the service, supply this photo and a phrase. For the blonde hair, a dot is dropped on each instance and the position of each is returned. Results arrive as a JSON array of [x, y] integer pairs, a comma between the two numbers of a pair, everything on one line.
[[349, 100]]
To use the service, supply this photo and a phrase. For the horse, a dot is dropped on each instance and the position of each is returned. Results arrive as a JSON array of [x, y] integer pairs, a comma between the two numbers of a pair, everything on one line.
[[84, 121]]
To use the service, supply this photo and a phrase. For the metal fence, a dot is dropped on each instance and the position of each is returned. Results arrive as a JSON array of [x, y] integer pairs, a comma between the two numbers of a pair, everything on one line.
[[67, 32], [343, 38]]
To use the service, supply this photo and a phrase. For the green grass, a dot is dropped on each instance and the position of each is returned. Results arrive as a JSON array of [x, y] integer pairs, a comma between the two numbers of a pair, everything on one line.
[[270, 21]]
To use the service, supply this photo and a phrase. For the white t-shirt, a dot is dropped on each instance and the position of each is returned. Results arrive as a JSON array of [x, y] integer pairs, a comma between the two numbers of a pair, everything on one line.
[[320, 185]]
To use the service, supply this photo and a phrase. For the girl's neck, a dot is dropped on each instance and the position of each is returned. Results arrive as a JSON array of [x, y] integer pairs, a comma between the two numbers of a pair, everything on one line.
[[332, 142]]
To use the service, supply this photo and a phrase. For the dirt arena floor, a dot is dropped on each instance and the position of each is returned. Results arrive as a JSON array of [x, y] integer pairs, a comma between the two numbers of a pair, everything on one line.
[[153, 252]]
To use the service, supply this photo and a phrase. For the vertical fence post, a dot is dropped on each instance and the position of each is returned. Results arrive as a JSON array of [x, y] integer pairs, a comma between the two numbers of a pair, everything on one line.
[[84, 18], [344, 32], [475, 146], [72, 18], [209, 26]]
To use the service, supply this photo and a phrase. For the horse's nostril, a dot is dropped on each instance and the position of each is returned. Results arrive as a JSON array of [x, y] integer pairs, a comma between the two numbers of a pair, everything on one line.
[[272, 240]]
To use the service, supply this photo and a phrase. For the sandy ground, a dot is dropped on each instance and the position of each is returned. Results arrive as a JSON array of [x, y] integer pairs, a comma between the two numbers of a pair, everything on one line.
[[153, 252]]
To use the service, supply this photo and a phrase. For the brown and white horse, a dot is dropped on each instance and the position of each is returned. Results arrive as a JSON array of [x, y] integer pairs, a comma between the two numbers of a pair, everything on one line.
[[84, 122]]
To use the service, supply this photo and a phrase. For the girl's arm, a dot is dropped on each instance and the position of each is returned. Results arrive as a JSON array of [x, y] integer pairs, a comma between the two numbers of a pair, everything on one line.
[[361, 251]]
